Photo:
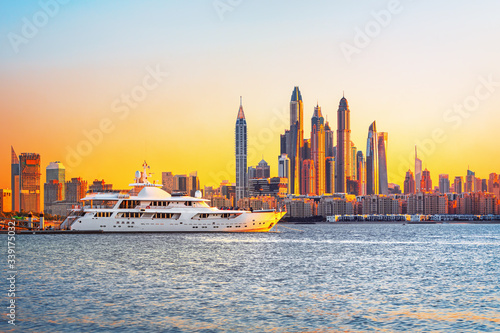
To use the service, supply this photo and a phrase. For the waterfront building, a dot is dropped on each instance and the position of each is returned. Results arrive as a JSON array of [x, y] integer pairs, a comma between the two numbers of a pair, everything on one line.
[[477, 203], [5, 200], [379, 204], [14, 180], [372, 163], [382, 163], [418, 172], [337, 205], [75, 190], [426, 182], [318, 153], [409, 184], [427, 203], [457, 184], [444, 183], [241, 154], [300, 207], [343, 159], [29, 182]]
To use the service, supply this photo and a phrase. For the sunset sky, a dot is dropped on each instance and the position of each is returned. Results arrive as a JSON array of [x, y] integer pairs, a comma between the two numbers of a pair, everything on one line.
[[428, 72]]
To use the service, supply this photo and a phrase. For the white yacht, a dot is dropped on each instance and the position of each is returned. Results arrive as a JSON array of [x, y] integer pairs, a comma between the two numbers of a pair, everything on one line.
[[147, 208]]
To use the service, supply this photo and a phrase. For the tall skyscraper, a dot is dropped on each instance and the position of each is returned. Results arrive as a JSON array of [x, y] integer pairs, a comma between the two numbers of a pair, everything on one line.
[[343, 160], [382, 163], [241, 154], [444, 183], [418, 171], [361, 172], [409, 184], [426, 181], [318, 149], [372, 168], [29, 182], [295, 152], [14, 180]]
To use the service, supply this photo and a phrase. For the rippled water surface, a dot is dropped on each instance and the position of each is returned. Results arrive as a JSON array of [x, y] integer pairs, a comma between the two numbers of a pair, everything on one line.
[[321, 278]]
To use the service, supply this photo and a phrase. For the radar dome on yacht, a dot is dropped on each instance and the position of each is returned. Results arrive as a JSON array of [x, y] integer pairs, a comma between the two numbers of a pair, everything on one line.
[[197, 194], [137, 174], [153, 193]]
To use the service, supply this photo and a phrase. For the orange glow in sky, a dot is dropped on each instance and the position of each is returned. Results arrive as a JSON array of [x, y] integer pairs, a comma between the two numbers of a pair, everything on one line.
[[102, 87]]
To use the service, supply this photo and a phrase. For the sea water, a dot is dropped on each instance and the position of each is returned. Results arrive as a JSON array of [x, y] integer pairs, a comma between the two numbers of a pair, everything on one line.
[[304, 278]]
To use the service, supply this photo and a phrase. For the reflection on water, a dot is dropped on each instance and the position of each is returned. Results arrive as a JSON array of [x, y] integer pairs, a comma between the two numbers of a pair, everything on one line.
[[321, 278]]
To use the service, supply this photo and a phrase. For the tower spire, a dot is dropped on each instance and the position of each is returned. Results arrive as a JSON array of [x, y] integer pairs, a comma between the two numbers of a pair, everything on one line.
[[241, 114]]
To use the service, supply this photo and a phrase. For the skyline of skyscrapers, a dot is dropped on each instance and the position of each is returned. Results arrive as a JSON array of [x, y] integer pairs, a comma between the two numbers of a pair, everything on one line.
[[324, 166], [241, 154]]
